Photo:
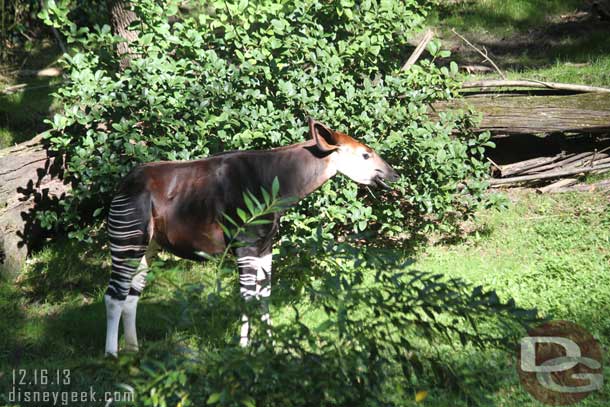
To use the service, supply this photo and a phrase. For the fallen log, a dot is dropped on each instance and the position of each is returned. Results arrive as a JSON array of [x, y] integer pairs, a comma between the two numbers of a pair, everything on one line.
[[548, 175], [28, 183], [503, 83], [523, 114]]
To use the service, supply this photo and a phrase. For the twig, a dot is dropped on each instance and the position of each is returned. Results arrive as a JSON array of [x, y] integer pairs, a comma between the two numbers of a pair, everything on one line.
[[60, 41], [570, 162], [547, 175], [497, 83], [483, 54], [494, 164], [23, 87], [418, 50]]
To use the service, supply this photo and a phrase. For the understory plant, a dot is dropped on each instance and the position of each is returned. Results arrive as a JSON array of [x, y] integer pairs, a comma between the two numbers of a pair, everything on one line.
[[367, 331]]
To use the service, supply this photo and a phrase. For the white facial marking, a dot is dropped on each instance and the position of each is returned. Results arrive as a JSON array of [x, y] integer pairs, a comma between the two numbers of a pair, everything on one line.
[[357, 163]]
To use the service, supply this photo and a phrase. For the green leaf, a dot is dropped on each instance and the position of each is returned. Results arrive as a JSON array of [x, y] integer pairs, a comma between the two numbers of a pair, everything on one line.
[[275, 188], [214, 398], [266, 196], [248, 202], [453, 67], [249, 402], [260, 222]]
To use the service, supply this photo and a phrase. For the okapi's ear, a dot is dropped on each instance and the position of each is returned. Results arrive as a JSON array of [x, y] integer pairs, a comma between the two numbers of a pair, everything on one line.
[[325, 138]]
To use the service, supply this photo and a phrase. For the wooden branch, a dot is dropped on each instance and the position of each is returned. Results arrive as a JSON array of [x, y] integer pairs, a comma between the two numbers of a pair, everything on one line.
[[547, 175], [484, 55], [562, 183], [496, 83], [571, 161], [523, 166], [418, 50], [22, 87], [582, 187]]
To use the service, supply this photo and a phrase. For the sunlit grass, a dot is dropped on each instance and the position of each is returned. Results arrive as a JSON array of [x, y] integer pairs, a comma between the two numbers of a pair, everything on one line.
[[499, 16]]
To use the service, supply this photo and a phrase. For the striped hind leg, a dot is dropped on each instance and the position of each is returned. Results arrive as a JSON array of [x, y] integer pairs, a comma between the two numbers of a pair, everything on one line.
[[129, 237]]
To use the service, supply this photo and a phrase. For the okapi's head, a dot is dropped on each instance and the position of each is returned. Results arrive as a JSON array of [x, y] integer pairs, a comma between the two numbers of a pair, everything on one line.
[[352, 158]]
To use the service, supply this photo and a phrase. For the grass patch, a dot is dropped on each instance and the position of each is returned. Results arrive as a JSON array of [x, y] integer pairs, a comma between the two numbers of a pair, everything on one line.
[[546, 251], [545, 40], [499, 16], [22, 113], [551, 252], [594, 71]]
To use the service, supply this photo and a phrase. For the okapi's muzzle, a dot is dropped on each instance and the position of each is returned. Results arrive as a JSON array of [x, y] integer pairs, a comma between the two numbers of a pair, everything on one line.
[[388, 174]]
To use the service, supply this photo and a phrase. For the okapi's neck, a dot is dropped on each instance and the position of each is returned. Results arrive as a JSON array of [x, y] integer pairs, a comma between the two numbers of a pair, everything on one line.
[[300, 168]]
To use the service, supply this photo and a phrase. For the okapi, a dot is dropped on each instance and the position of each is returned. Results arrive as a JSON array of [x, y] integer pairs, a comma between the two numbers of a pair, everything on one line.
[[177, 206]]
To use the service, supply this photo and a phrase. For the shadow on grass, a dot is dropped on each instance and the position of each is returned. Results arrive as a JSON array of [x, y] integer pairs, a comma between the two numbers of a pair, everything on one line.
[[527, 33]]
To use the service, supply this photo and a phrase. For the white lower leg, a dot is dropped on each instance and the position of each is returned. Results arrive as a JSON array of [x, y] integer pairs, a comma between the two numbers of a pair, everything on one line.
[[244, 331], [114, 308], [131, 302], [129, 322], [263, 288]]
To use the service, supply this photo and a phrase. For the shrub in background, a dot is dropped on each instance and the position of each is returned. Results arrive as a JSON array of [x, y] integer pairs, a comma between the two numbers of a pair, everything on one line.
[[247, 74]]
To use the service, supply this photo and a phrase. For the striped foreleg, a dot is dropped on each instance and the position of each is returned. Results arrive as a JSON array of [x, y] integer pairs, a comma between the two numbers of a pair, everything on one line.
[[255, 284]]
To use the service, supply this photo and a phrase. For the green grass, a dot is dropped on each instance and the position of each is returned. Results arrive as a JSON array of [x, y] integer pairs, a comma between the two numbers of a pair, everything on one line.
[[550, 252], [595, 72], [22, 113], [500, 16], [532, 39]]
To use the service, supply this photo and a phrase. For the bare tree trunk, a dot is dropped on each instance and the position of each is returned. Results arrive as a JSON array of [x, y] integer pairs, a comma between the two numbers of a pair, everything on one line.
[[121, 16], [29, 182]]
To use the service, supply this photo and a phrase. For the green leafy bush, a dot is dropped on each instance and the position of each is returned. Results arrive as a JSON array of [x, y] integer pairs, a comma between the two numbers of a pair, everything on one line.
[[246, 75]]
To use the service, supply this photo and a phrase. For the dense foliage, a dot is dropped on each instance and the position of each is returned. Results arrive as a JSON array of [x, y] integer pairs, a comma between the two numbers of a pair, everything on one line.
[[241, 75], [367, 331]]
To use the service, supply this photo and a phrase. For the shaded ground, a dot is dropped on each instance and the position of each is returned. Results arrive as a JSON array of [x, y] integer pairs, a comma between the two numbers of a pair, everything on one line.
[[526, 34], [22, 113]]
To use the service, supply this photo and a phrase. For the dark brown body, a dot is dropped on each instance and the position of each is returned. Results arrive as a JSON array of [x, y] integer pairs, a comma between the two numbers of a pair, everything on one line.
[[187, 199]]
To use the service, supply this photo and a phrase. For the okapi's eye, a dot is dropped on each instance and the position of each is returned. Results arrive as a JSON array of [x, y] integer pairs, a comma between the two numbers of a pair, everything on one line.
[[366, 156]]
